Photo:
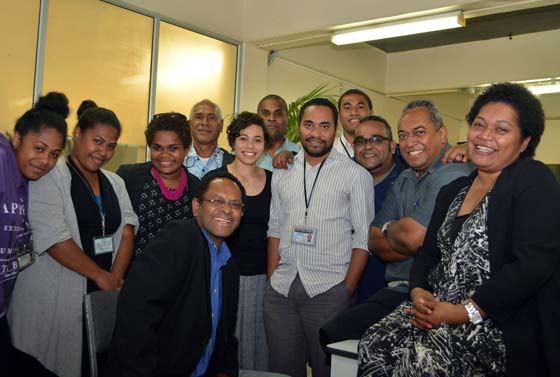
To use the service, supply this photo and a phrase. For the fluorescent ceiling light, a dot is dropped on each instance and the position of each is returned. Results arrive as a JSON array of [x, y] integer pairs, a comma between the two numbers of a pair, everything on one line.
[[399, 28], [544, 89]]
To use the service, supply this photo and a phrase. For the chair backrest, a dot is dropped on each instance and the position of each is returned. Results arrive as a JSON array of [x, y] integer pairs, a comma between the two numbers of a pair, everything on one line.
[[100, 310]]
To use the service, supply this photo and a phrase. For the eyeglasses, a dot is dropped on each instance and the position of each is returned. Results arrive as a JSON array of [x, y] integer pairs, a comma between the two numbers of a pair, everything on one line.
[[374, 140], [233, 204]]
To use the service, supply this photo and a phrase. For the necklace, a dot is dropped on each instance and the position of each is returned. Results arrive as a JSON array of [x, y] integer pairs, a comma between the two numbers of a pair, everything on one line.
[[171, 194]]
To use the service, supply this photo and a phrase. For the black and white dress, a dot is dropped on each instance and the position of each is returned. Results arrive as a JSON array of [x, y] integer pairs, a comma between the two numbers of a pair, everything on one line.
[[393, 347]]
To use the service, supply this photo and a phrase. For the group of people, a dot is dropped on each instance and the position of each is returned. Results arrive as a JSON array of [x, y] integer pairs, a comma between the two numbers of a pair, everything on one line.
[[255, 260]]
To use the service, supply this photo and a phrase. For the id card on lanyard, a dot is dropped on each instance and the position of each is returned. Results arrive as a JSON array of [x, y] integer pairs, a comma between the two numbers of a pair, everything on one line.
[[302, 234], [101, 244]]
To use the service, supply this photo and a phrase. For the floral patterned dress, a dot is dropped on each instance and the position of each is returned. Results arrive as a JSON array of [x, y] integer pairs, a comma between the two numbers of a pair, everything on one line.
[[393, 347]]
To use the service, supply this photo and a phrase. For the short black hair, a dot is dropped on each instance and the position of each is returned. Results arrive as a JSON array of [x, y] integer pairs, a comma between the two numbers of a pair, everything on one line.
[[273, 97], [319, 102], [530, 114], [377, 118], [50, 111], [175, 122], [242, 121], [98, 115], [217, 174], [358, 92]]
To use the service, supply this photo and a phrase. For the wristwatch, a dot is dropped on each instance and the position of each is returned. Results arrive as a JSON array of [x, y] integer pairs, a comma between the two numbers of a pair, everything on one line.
[[385, 227], [472, 312]]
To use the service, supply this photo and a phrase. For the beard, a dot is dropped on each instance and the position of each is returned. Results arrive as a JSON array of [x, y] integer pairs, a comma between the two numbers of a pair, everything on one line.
[[317, 152]]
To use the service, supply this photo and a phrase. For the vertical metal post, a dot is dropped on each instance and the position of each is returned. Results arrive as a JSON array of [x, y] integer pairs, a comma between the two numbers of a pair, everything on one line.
[[153, 75], [40, 56]]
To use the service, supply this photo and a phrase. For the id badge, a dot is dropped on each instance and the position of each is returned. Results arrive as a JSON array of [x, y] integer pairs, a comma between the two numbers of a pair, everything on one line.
[[102, 245], [25, 255], [304, 235]]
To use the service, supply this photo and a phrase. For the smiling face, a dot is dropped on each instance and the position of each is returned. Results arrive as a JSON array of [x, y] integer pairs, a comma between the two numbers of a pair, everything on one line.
[[167, 152], [205, 124], [374, 156], [249, 145], [37, 152], [420, 141], [495, 139], [218, 220], [353, 107], [94, 147], [275, 117], [317, 131]]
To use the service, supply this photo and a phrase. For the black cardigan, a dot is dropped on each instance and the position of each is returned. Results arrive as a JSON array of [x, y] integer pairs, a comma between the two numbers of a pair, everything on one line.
[[135, 175], [522, 294], [164, 312]]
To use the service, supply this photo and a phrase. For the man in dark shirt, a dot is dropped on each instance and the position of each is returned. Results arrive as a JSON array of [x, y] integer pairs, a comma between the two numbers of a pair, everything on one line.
[[374, 149]]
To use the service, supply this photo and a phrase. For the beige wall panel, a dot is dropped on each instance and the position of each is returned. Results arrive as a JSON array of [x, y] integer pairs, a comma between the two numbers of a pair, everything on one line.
[[102, 52], [18, 37], [291, 82], [524, 57], [192, 67]]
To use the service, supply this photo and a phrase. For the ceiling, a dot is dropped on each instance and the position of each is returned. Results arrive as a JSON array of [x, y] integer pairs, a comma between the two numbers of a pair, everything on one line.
[[499, 25]]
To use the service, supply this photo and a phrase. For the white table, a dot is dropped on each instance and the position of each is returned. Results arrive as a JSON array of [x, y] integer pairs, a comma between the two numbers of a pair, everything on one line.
[[344, 358]]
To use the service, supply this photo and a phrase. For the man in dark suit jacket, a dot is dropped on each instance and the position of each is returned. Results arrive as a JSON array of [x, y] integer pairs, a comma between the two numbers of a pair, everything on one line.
[[177, 310]]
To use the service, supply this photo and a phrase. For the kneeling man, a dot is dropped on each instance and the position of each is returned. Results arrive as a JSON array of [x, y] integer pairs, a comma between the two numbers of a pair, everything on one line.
[[176, 312]]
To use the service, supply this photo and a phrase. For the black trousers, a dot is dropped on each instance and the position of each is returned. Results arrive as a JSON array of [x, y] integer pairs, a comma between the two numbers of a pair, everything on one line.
[[14, 362], [353, 322]]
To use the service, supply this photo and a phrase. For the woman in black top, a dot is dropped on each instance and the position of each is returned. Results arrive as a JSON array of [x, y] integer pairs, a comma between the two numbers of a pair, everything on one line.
[[162, 189], [248, 138]]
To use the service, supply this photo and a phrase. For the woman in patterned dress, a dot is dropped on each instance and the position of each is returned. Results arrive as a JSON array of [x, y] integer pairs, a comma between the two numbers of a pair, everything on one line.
[[486, 282], [162, 189]]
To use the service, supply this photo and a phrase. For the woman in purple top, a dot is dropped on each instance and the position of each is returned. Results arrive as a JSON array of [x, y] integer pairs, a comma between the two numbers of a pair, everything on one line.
[[38, 140]]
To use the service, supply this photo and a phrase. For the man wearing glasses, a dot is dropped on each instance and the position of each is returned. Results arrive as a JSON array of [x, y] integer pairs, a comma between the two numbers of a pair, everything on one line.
[[374, 150], [206, 123], [177, 309]]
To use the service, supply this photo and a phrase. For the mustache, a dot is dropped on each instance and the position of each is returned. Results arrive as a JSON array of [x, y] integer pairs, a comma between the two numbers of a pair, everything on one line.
[[318, 139]]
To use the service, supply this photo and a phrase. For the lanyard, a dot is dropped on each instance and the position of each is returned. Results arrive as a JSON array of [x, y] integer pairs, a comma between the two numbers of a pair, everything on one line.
[[308, 201], [344, 146], [72, 165]]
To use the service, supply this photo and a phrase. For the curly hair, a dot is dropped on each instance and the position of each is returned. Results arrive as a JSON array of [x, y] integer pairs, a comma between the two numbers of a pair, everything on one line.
[[175, 122], [242, 121], [530, 114]]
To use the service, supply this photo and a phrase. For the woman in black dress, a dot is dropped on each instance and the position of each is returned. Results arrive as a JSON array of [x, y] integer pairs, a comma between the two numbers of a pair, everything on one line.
[[248, 138]]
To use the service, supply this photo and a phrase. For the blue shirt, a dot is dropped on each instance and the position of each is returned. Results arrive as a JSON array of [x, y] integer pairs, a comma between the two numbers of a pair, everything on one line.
[[265, 161], [415, 197], [198, 167], [218, 259], [373, 277]]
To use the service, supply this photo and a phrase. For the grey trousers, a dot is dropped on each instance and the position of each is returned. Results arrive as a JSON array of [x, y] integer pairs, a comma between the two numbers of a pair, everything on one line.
[[292, 327]]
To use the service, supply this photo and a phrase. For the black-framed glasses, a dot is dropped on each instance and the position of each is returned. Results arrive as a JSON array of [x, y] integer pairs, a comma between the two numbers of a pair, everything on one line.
[[233, 204], [374, 140]]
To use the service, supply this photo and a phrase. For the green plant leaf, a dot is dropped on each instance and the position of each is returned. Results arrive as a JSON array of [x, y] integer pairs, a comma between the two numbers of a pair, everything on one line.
[[292, 131]]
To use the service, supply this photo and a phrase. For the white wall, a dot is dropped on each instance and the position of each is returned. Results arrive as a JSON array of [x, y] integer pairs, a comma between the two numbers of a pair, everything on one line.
[[528, 56]]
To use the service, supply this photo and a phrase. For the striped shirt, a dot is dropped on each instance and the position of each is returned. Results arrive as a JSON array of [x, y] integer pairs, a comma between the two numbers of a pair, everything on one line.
[[340, 211]]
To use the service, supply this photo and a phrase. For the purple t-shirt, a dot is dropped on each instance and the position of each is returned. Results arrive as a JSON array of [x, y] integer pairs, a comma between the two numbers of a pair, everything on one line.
[[14, 228]]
